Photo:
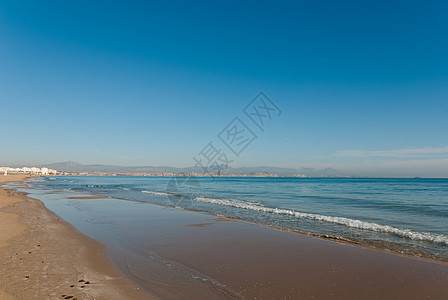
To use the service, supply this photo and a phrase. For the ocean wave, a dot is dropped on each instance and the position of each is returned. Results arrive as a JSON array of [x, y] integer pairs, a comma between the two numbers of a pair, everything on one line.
[[403, 232], [158, 193], [123, 188]]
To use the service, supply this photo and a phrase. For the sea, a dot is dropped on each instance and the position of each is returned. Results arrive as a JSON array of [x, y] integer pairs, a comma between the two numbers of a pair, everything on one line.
[[408, 216]]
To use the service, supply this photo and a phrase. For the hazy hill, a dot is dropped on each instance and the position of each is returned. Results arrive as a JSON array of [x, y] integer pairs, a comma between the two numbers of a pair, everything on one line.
[[70, 166]]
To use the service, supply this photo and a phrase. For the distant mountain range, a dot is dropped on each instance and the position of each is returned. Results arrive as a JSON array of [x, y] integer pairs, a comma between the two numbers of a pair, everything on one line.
[[71, 166]]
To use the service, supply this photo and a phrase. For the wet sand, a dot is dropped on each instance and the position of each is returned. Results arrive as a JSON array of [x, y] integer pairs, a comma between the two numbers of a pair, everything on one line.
[[263, 263], [254, 262], [43, 257]]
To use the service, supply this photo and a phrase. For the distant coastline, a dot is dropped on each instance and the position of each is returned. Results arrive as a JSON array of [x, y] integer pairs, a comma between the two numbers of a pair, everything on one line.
[[76, 169]]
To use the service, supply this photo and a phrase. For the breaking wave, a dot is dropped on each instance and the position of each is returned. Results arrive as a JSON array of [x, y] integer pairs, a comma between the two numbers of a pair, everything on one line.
[[158, 193], [403, 232]]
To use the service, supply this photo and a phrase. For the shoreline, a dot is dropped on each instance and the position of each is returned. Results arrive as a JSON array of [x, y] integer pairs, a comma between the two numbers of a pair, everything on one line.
[[44, 257], [251, 260], [324, 237], [388, 246], [256, 261]]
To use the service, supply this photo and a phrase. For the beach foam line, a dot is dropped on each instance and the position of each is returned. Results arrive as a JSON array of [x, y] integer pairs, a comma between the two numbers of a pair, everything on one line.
[[158, 193], [403, 232]]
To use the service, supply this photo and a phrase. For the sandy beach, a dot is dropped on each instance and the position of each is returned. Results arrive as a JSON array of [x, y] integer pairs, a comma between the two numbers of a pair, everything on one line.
[[180, 254], [44, 257]]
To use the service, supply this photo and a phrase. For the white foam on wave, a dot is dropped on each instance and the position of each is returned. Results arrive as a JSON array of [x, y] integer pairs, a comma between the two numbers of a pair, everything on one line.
[[157, 193], [403, 232], [123, 188]]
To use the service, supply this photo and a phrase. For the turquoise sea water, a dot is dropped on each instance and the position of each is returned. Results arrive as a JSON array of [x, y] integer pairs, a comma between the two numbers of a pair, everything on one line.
[[403, 215]]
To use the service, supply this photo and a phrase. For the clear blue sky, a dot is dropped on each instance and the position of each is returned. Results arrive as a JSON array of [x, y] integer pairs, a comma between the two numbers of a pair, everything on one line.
[[362, 85]]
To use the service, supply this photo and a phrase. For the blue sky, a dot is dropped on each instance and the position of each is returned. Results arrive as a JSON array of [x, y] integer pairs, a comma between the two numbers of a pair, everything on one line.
[[362, 86]]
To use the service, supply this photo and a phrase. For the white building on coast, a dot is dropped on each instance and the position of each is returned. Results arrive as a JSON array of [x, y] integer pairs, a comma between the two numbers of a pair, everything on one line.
[[30, 171]]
